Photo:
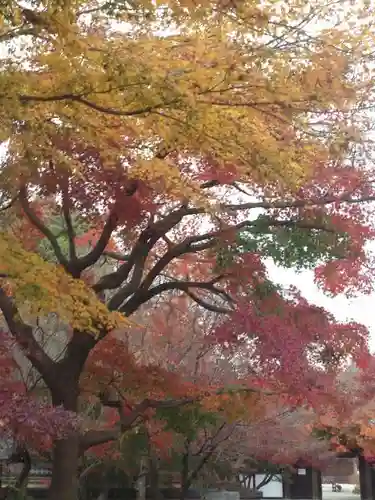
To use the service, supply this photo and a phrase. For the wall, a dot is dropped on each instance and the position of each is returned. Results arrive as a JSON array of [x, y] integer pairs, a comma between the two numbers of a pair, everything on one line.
[[274, 489]]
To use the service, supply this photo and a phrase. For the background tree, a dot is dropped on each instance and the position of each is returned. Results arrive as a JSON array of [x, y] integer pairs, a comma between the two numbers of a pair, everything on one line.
[[347, 423], [195, 443]]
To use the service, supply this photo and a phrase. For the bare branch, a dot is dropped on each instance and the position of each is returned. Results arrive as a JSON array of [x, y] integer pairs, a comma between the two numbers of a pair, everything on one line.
[[116, 256], [326, 200], [184, 286], [93, 9], [209, 439], [206, 457], [210, 239], [132, 286], [115, 279], [24, 457], [183, 248], [138, 255], [209, 184], [206, 305], [112, 221]]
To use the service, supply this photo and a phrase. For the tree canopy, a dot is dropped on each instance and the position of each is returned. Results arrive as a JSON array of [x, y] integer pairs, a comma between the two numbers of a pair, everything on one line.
[[162, 151]]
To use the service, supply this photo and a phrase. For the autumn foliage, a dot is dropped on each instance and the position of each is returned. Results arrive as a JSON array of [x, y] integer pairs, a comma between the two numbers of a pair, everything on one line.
[[155, 156]]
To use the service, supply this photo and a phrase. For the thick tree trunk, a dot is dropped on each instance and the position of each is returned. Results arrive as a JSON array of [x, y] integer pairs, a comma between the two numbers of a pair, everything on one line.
[[64, 485], [65, 392], [153, 471], [66, 452], [185, 480]]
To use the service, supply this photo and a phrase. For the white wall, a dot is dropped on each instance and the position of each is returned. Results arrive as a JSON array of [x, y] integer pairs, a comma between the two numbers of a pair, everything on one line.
[[274, 489]]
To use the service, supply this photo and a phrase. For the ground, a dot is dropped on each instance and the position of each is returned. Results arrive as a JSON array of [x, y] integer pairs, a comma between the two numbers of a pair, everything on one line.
[[345, 494]]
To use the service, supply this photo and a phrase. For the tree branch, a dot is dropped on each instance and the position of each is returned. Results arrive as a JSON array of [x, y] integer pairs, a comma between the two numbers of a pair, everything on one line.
[[326, 200], [76, 354], [143, 293], [97, 107], [194, 474], [24, 457], [116, 256], [17, 32], [132, 286], [179, 249], [182, 248], [101, 436], [34, 219], [206, 305], [69, 223], [139, 299], [139, 254], [137, 257], [23, 334], [211, 237], [209, 440], [92, 257], [267, 479]]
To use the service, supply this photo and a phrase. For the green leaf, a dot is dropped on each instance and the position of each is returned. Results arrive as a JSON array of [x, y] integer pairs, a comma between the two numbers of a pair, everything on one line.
[[291, 246]]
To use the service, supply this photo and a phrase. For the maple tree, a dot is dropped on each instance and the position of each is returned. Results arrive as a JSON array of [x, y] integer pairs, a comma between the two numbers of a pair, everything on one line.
[[27, 421], [195, 442], [347, 422], [184, 159], [191, 447], [233, 452]]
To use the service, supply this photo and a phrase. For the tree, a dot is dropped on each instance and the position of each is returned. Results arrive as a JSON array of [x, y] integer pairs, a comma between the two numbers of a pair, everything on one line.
[[347, 422], [167, 147], [238, 450], [24, 419], [195, 442], [197, 447], [27, 420]]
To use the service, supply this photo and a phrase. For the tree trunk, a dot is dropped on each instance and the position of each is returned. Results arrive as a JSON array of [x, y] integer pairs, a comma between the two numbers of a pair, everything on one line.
[[65, 392], [66, 452], [141, 481], [153, 471], [185, 483], [64, 485], [21, 483]]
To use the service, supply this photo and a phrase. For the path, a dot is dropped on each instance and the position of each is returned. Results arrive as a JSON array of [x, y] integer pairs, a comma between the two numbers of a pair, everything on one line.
[[345, 494]]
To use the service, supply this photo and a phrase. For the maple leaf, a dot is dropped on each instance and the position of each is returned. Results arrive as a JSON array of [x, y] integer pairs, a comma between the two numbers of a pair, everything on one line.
[[24, 418], [153, 167]]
